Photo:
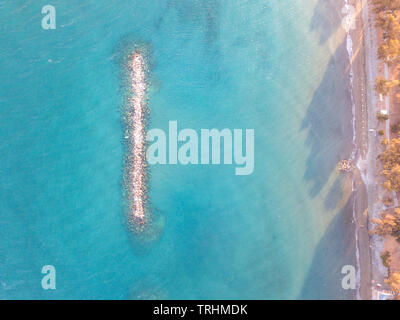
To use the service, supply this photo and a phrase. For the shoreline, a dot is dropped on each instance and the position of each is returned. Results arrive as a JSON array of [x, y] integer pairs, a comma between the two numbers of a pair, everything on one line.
[[357, 196], [358, 56]]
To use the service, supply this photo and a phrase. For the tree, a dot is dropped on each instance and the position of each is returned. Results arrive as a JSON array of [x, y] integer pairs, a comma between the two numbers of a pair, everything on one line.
[[389, 6], [385, 256], [389, 24], [388, 224], [382, 117], [390, 159], [388, 201], [383, 86], [394, 282], [395, 128], [385, 142], [389, 51]]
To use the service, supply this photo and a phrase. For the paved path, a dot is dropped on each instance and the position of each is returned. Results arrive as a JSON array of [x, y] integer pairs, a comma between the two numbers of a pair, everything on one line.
[[374, 206], [387, 104]]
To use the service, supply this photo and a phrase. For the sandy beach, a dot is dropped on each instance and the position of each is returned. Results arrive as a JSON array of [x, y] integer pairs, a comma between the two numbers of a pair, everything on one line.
[[360, 194]]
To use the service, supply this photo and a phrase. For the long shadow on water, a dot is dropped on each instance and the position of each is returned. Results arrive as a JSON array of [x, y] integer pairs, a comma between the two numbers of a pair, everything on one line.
[[326, 18], [335, 249], [328, 119]]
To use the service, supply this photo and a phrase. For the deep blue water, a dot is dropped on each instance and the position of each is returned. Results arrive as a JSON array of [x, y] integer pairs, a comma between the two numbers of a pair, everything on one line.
[[278, 67]]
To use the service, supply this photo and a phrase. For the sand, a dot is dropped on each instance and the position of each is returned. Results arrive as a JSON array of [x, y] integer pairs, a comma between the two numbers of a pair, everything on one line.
[[361, 204]]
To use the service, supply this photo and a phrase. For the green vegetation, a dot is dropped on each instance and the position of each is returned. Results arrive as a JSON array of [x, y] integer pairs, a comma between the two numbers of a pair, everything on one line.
[[387, 18], [382, 117], [383, 86], [389, 24], [387, 14], [388, 201], [389, 51], [388, 224], [394, 282], [390, 159], [386, 6], [395, 128], [386, 259], [385, 142]]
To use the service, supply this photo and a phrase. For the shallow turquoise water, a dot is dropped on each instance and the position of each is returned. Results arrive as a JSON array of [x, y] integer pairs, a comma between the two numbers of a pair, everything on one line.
[[279, 68]]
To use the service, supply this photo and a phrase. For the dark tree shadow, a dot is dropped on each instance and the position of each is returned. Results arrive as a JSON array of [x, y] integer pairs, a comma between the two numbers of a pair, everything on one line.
[[336, 249], [326, 18], [329, 122], [335, 194], [201, 12]]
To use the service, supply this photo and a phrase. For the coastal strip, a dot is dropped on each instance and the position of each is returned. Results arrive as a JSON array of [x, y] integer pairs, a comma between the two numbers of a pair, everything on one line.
[[382, 37], [138, 168], [356, 46], [355, 151], [368, 165]]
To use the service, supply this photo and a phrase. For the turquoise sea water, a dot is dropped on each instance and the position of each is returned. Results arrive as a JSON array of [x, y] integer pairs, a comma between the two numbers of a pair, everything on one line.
[[278, 67]]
